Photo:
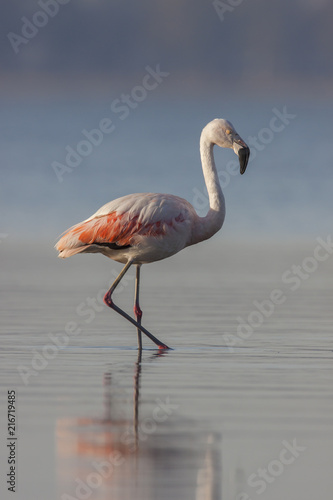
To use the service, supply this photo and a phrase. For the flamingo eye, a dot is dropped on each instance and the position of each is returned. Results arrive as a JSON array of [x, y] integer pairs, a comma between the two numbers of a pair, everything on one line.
[[228, 131]]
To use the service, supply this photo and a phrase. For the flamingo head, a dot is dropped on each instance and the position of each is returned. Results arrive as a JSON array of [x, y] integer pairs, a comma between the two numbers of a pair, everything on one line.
[[222, 133]]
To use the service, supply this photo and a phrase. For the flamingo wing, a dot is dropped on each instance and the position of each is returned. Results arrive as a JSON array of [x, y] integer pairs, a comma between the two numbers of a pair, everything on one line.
[[121, 223]]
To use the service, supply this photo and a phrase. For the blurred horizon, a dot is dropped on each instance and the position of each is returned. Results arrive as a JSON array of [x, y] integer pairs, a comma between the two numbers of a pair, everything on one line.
[[254, 46]]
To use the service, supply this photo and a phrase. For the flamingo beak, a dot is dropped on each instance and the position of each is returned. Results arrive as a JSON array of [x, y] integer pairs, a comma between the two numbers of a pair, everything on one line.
[[242, 150]]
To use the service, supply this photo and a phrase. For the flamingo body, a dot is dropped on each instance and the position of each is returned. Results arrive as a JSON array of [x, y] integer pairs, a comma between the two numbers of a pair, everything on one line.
[[146, 227], [142, 227]]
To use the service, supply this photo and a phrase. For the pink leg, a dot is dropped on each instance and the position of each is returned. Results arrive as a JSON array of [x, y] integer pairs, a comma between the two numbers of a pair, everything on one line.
[[109, 302]]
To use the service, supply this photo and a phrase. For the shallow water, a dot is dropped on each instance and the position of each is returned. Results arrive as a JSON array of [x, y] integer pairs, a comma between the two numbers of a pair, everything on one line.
[[226, 414]]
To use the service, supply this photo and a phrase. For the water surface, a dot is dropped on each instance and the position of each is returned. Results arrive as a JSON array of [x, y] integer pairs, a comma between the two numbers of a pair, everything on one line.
[[224, 415]]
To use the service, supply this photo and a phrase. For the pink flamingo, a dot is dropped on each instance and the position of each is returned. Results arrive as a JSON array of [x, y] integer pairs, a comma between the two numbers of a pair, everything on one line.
[[146, 227]]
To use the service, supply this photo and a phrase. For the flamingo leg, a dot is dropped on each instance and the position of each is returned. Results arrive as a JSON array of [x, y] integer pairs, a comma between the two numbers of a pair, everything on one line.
[[137, 309], [109, 302]]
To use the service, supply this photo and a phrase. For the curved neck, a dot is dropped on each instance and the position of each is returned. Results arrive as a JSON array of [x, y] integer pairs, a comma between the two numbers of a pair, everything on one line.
[[206, 226], [216, 198]]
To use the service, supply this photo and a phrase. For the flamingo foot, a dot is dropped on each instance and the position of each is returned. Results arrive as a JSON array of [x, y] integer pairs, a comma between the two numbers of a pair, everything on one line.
[[163, 347]]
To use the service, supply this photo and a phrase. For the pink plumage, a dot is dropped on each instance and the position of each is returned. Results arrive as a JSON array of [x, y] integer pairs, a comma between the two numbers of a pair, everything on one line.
[[145, 227]]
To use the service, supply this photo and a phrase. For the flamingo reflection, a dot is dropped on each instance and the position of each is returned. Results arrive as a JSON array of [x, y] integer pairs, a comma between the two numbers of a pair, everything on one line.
[[123, 455]]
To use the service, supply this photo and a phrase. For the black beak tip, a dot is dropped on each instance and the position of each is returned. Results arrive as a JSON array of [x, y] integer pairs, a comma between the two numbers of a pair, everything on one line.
[[243, 155]]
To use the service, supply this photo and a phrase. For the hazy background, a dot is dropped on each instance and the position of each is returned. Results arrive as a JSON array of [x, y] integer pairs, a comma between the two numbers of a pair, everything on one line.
[[239, 64]]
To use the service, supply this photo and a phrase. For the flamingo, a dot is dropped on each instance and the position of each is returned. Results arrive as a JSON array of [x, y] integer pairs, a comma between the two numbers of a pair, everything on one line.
[[141, 228]]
